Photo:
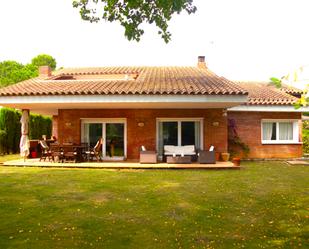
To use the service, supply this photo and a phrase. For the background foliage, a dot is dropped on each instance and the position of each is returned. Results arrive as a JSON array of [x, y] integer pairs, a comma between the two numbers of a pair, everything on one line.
[[306, 136], [10, 129], [44, 60], [131, 14], [12, 72], [236, 147]]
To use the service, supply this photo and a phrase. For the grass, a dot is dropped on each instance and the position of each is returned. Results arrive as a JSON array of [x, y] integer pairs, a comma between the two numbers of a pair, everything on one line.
[[264, 205], [9, 157]]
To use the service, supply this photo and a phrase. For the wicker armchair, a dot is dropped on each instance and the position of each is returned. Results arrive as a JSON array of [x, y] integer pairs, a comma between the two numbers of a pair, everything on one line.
[[147, 156], [207, 156]]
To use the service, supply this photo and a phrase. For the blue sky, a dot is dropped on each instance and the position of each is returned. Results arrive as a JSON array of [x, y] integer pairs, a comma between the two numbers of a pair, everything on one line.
[[241, 39]]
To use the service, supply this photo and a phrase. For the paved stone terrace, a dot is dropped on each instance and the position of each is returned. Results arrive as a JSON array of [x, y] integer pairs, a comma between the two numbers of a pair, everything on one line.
[[117, 165]]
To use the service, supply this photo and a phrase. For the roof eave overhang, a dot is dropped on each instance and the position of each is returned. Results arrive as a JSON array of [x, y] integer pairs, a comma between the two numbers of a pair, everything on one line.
[[267, 108], [50, 104]]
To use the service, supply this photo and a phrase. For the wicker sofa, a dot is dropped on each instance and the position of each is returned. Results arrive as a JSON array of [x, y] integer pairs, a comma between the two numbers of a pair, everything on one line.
[[179, 154]]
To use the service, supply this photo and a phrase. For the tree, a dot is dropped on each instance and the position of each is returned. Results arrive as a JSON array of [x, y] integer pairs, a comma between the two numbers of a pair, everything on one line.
[[44, 60], [289, 80], [12, 72], [132, 13]]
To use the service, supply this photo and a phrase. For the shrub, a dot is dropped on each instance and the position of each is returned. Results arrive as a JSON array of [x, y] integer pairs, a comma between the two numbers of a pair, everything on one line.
[[2, 138], [236, 146], [10, 129], [306, 136]]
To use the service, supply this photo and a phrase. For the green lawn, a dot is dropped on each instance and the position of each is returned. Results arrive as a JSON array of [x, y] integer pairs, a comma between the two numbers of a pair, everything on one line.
[[9, 157], [265, 205]]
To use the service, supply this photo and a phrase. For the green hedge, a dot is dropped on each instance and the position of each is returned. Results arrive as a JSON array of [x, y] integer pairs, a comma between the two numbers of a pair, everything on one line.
[[10, 129], [40, 125], [306, 137]]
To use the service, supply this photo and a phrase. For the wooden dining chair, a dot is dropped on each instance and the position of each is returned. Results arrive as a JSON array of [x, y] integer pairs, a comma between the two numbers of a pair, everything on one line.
[[95, 151], [57, 153], [45, 151], [69, 153]]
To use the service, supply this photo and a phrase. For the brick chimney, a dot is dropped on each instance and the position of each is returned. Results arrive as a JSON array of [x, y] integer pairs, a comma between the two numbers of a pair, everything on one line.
[[201, 62], [45, 71]]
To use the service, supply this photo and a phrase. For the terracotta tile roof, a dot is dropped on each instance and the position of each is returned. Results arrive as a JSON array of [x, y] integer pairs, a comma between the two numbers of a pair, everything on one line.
[[149, 80], [291, 90], [262, 93]]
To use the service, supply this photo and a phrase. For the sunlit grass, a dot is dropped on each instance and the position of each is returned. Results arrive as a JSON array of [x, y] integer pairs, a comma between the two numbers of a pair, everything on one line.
[[9, 157], [264, 205]]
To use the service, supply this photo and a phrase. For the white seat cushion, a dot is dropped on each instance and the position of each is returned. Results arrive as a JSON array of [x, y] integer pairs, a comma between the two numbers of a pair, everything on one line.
[[179, 150]]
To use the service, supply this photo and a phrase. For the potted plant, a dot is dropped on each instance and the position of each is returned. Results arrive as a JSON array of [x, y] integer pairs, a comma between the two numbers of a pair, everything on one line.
[[225, 156], [236, 161]]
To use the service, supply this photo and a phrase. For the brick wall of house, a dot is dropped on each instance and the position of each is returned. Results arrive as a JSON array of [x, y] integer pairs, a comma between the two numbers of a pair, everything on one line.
[[55, 126], [215, 125], [248, 125]]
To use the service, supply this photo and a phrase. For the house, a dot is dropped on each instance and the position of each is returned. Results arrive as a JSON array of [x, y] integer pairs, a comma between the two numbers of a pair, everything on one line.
[[154, 106]]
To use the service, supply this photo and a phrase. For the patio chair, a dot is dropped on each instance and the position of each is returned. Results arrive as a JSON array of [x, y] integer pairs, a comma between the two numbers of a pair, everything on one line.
[[57, 152], [84, 149], [45, 151], [147, 156], [95, 151], [69, 153], [207, 156]]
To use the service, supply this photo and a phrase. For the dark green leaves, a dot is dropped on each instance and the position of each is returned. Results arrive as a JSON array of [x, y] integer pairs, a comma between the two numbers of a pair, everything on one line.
[[132, 13], [12, 72], [302, 101], [44, 60], [10, 129]]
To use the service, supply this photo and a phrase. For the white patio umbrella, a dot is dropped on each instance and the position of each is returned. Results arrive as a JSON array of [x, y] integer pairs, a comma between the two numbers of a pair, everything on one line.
[[24, 144]]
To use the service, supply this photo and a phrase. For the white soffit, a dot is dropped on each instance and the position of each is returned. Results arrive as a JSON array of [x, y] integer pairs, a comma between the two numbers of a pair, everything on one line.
[[49, 105], [123, 99], [267, 108]]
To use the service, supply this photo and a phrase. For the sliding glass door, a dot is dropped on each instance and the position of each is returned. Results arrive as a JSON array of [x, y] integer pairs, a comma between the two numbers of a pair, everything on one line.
[[113, 134], [179, 132], [114, 140], [169, 133]]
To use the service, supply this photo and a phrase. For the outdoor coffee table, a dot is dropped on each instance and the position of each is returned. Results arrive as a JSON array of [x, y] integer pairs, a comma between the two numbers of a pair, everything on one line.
[[178, 159]]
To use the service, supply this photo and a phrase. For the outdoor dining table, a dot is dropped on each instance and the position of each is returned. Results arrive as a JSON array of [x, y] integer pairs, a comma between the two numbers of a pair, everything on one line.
[[78, 149]]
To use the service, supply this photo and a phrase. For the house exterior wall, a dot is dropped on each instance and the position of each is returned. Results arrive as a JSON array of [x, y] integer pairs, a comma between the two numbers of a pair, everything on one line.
[[215, 125], [248, 126], [55, 126]]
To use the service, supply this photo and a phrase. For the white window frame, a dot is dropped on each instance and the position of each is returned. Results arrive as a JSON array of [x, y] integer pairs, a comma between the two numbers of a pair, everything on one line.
[[295, 139], [104, 121], [179, 120]]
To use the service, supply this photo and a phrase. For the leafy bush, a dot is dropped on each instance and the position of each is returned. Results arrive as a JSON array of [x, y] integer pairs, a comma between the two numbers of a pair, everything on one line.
[[2, 137], [39, 125], [10, 129], [9, 123], [306, 136], [12, 72], [44, 60], [236, 146]]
